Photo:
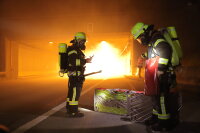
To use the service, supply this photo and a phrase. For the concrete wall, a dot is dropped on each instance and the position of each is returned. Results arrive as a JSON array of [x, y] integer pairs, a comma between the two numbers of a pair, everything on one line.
[[37, 58], [8, 59], [27, 58], [2, 56], [11, 57]]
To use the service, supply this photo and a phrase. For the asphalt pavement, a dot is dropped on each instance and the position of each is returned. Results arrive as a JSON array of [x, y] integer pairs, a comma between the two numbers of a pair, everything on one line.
[[36, 104]]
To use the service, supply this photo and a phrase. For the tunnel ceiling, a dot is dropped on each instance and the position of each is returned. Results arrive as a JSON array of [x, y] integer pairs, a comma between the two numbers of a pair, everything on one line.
[[53, 18]]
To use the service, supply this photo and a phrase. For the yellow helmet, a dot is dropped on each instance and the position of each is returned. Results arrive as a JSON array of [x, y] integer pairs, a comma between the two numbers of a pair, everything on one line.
[[80, 35], [138, 29]]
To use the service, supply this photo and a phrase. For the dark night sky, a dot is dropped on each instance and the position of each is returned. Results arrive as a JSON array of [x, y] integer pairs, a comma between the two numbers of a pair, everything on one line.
[[20, 19]]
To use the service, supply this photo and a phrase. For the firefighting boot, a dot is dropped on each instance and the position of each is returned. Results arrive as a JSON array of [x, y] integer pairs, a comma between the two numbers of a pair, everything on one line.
[[152, 120], [67, 107], [75, 115], [175, 119], [68, 110], [162, 125]]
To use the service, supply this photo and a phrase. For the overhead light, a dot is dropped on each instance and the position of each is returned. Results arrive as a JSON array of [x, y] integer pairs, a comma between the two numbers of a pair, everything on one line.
[[51, 42]]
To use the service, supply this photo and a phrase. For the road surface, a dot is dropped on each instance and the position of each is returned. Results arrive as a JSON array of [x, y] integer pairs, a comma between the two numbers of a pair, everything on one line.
[[27, 98]]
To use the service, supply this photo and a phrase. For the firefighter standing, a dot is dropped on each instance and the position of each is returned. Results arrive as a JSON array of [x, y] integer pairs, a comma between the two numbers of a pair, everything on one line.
[[140, 63], [76, 61], [158, 50]]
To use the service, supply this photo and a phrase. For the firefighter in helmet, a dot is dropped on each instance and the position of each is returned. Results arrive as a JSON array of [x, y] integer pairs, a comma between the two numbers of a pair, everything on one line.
[[77, 61], [161, 52]]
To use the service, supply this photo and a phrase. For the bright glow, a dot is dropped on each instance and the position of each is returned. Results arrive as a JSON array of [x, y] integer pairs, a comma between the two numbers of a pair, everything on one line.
[[137, 72], [103, 42], [108, 59], [51, 42]]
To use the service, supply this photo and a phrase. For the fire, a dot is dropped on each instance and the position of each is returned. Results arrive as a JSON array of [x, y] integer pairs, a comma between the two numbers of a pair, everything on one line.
[[137, 72], [108, 59]]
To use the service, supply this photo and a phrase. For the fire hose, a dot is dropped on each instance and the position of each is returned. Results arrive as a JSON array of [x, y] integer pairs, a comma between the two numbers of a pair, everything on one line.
[[61, 74]]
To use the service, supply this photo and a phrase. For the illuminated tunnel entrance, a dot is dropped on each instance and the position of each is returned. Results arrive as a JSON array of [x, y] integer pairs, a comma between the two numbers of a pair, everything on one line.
[[112, 56]]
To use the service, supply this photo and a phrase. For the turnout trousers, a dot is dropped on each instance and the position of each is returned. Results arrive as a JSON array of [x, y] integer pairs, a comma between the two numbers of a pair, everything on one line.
[[75, 84], [161, 102]]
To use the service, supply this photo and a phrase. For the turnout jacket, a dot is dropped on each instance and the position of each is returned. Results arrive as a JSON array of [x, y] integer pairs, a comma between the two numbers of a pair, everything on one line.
[[158, 59], [159, 47], [76, 60]]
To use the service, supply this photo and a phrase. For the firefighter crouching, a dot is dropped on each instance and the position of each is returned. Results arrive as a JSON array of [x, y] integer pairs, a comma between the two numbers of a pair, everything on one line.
[[75, 72], [159, 55]]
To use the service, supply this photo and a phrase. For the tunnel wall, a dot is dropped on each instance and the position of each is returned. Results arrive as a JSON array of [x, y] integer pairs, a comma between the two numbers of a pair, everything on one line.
[[11, 59], [27, 58], [37, 58], [2, 55]]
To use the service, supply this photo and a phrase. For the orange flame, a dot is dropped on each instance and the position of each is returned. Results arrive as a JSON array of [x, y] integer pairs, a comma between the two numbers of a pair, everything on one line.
[[137, 72], [108, 59]]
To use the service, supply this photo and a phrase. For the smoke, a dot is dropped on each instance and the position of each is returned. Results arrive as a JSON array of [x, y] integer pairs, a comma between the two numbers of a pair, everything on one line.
[[60, 19]]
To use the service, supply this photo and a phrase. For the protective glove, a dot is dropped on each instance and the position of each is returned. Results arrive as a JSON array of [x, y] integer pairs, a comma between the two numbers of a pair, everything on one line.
[[89, 60], [62, 71], [144, 55]]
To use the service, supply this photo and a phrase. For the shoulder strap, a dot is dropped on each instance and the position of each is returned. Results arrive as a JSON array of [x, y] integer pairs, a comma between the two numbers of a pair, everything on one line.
[[158, 41], [155, 44]]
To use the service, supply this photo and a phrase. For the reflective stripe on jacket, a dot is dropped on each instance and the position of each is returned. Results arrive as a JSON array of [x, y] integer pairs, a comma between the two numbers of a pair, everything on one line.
[[76, 59]]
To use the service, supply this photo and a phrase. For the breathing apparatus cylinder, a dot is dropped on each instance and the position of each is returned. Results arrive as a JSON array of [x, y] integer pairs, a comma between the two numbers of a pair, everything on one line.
[[62, 48], [175, 59], [172, 32], [63, 55]]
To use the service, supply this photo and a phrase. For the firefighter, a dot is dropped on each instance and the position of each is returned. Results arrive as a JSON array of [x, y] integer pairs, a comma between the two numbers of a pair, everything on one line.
[[77, 61], [158, 50], [140, 63]]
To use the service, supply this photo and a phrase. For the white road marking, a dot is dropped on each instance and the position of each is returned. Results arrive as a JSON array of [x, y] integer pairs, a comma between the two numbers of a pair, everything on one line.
[[37, 120], [44, 116]]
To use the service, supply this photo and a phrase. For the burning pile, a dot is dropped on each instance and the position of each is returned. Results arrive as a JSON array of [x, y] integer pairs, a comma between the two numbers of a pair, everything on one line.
[[109, 60]]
